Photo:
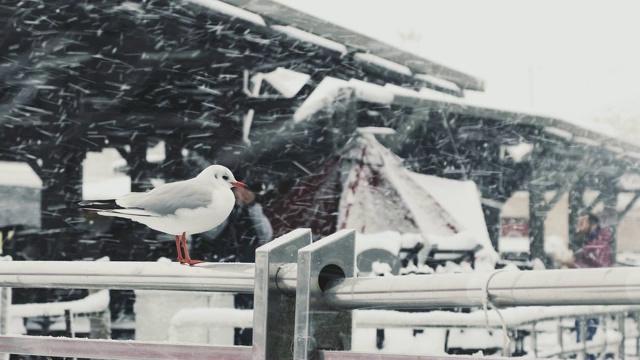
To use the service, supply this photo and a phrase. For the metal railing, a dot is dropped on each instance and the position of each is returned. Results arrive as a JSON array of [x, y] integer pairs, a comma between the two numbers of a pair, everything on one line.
[[533, 322], [300, 288]]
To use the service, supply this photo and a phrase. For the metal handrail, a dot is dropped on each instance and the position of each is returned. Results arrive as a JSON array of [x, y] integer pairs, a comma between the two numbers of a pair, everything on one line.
[[604, 286], [218, 277], [314, 272], [607, 286]]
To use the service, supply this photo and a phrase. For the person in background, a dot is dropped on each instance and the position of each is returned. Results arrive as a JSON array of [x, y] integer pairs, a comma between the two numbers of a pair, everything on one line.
[[236, 240], [594, 251], [595, 244]]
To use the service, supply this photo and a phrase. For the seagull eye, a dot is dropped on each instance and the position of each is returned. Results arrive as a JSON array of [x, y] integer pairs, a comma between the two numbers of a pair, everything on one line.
[[225, 177]]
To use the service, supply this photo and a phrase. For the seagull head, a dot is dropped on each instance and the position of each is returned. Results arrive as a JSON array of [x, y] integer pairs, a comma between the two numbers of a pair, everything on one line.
[[220, 176]]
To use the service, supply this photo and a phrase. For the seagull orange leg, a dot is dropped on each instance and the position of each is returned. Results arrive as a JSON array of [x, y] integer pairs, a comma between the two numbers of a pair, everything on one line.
[[187, 259], [178, 248]]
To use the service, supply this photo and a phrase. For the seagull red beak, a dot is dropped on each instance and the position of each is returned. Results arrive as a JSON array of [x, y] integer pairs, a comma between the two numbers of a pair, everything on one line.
[[239, 184]]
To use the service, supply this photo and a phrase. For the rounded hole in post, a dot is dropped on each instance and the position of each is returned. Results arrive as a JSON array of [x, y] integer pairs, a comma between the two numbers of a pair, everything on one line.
[[329, 273]]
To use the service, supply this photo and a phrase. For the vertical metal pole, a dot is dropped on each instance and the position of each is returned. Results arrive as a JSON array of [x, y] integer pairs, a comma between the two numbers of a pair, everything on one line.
[[636, 318], [318, 326], [506, 350], [534, 340], [560, 332], [68, 319], [621, 328], [576, 203], [611, 217], [583, 336], [537, 216], [5, 302], [274, 313]]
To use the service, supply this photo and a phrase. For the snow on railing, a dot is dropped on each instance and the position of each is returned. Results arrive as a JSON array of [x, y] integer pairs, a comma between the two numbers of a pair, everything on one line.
[[93, 303], [210, 318], [306, 290], [514, 319]]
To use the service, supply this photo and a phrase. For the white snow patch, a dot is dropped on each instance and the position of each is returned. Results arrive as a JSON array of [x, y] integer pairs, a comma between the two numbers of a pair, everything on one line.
[[445, 84], [513, 244], [461, 241], [513, 317], [399, 90], [519, 152], [435, 95], [232, 11], [130, 6], [383, 63], [381, 268], [400, 341], [328, 90], [559, 132], [377, 130], [556, 247], [311, 38], [107, 189], [18, 174], [209, 318], [586, 141], [462, 200], [93, 303], [287, 82], [388, 240], [371, 92], [628, 258], [323, 95]]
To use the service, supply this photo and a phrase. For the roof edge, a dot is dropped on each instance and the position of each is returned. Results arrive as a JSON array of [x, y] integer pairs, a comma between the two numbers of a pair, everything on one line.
[[283, 15]]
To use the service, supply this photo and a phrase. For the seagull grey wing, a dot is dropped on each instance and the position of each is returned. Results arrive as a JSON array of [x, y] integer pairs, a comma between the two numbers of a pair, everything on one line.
[[168, 198]]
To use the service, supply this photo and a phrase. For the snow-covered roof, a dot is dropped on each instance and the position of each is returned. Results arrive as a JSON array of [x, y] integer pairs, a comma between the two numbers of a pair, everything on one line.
[[384, 63], [429, 100], [311, 38], [232, 11], [423, 204], [322, 33]]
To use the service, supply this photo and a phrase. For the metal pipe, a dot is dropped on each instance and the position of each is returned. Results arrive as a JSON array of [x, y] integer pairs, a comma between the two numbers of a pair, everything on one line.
[[218, 277], [116, 349], [287, 279], [614, 286], [606, 286]]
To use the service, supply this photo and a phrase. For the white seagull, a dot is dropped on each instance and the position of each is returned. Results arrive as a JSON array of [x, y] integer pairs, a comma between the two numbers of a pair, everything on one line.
[[188, 207]]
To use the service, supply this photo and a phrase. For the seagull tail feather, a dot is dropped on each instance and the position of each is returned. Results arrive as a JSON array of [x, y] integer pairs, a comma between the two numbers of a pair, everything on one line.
[[99, 204]]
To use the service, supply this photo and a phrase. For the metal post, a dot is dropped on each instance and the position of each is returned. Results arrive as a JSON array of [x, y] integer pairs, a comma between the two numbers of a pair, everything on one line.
[[5, 303], [610, 217], [68, 320], [576, 203], [537, 217], [583, 335], [560, 333], [636, 318], [319, 326], [534, 339], [506, 348], [274, 312], [621, 328]]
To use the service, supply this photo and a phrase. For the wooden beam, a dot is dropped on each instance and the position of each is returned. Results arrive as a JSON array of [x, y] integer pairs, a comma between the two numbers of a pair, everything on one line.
[[601, 196], [629, 205]]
